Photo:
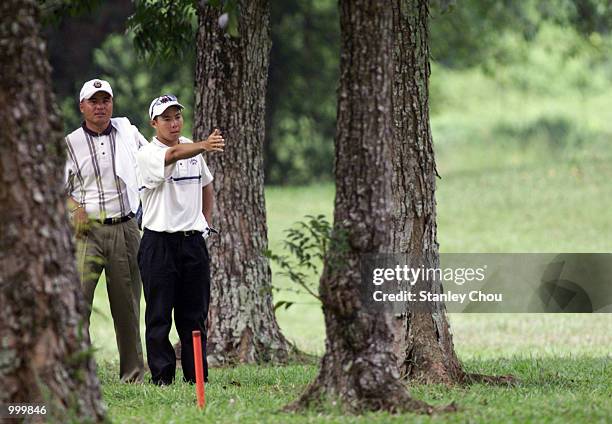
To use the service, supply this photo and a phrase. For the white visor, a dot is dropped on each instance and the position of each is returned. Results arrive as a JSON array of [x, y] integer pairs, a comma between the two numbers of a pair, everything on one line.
[[160, 104]]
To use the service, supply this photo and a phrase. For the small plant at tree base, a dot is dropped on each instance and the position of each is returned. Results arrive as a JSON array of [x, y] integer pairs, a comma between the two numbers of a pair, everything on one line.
[[309, 242]]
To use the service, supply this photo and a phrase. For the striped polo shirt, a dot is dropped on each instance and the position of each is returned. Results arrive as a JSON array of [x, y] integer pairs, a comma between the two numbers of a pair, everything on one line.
[[91, 172]]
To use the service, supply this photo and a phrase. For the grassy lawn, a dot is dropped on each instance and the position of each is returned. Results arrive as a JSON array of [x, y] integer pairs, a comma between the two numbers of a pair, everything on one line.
[[563, 360], [572, 389]]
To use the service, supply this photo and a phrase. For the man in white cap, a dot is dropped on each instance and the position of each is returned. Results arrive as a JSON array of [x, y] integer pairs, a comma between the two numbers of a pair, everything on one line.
[[177, 202], [103, 198]]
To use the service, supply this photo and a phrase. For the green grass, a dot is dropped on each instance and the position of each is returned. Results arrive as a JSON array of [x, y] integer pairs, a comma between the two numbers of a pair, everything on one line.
[[526, 204], [573, 389]]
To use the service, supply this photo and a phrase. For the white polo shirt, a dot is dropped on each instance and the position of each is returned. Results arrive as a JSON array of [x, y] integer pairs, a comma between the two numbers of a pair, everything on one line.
[[171, 195]]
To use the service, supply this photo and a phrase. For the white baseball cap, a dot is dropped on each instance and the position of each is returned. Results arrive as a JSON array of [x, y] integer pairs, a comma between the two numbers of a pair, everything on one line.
[[161, 103], [91, 87]]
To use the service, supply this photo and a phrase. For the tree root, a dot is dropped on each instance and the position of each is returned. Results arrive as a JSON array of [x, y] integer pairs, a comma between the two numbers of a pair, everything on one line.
[[499, 380], [392, 398]]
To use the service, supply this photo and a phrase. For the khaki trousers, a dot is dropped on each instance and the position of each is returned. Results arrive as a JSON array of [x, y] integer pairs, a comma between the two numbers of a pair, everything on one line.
[[114, 248]]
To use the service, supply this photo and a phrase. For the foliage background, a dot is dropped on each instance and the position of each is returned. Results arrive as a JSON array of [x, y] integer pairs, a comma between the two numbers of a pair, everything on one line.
[[521, 98], [521, 94], [525, 80]]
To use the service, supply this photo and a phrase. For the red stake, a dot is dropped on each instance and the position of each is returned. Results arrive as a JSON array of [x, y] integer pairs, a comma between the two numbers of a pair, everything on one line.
[[199, 371]]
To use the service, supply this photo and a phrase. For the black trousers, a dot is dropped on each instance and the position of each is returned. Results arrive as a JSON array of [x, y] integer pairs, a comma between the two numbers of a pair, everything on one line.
[[175, 271]]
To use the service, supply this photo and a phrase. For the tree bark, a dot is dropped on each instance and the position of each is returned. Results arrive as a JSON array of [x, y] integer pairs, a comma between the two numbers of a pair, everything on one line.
[[359, 368], [46, 356], [231, 77], [424, 344], [423, 340]]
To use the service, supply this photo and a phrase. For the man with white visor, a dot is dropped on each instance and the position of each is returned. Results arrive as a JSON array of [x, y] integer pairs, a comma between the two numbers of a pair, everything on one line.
[[177, 199]]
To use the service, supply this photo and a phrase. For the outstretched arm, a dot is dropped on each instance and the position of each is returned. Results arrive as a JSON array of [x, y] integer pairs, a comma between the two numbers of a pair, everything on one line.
[[214, 143]]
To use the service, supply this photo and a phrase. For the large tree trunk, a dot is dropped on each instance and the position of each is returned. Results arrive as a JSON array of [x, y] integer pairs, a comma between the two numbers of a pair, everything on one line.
[[359, 367], [424, 344], [423, 341], [231, 76], [46, 356]]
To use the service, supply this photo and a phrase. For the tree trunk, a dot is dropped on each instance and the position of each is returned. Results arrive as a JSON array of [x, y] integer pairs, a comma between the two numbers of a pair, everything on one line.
[[359, 367], [424, 344], [423, 341], [231, 76], [46, 356]]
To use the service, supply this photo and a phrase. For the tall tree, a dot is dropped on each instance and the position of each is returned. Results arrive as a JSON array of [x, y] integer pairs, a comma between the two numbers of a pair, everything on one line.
[[231, 76], [423, 341], [232, 48], [424, 344], [359, 366], [46, 356]]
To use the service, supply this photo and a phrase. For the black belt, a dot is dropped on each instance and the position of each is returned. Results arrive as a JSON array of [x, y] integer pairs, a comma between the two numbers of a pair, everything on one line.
[[176, 233], [190, 233], [118, 220]]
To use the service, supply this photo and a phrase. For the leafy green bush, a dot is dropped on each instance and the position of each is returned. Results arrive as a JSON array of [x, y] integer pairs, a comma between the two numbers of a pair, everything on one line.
[[309, 243], [301, 100]]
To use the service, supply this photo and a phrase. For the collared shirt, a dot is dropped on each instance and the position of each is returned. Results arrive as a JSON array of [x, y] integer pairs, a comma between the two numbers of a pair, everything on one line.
[[91, 171], [171, 195]]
